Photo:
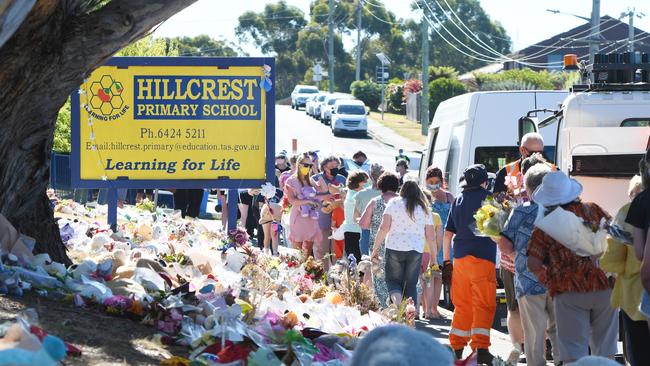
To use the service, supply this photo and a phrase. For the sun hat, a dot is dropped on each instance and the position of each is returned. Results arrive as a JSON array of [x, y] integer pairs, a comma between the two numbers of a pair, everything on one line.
[[557, 189], [474, 176], [399, 345]]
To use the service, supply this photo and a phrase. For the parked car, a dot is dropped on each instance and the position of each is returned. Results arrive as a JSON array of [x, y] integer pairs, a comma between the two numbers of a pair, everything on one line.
[[349, 115], [300, 94], [311, 103], [328, 105]]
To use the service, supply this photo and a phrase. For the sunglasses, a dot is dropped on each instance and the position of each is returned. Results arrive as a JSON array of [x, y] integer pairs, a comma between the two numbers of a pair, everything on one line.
[[307, 165]]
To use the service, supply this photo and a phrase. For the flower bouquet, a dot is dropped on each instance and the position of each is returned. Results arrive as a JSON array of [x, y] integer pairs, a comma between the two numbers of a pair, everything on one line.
[[585, 239], [493, 214]]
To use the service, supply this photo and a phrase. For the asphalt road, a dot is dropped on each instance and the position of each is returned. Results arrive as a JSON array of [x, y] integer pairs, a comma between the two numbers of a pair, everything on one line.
[[313, 135]]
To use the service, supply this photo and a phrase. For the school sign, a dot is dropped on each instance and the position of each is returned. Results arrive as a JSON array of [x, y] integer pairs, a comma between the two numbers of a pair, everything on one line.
[[174, 122]]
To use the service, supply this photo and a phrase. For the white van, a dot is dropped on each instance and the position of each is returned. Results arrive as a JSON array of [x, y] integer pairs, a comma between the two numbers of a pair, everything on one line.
[[349, 115], [481, 128]]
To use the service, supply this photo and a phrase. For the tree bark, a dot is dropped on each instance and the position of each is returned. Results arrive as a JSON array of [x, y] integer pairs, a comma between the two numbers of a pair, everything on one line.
[[43, 62]]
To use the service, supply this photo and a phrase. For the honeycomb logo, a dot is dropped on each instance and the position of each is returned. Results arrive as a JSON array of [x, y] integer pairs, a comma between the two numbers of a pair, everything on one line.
[[106, 99]]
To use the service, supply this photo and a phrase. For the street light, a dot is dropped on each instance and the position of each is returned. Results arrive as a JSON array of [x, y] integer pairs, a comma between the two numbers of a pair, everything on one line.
[[554, 11], [594, 22]]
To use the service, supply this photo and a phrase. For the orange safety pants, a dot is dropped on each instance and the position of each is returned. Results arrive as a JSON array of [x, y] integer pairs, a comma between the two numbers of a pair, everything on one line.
[[473, 293]]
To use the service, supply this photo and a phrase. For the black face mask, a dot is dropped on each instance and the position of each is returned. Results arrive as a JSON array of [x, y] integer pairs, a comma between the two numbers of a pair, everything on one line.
[[359, 163], [334, 172]]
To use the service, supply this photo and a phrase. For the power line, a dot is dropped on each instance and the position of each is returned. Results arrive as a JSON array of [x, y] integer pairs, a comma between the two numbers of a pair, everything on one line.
[[481, 56], [382, 20]]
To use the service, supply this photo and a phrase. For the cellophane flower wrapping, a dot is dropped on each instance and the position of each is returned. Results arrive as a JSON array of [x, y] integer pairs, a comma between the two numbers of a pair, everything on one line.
[[493, 214]]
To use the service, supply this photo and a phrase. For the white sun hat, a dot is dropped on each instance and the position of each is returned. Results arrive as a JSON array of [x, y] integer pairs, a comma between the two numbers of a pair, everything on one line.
[[557, 189]]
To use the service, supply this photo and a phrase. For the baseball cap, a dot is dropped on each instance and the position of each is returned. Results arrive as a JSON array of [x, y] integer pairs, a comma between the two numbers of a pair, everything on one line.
[[474, 176]]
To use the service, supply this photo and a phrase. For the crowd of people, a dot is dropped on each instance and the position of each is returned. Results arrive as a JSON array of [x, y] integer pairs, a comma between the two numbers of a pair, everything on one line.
[[562, 306]]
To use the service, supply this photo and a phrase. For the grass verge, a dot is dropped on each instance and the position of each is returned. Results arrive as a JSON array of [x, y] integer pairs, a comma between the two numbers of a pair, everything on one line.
[[410, 130]]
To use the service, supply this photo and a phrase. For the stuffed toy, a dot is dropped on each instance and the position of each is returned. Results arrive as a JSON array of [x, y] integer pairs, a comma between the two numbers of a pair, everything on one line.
[[335, 202], [19, 347], [308, 193]]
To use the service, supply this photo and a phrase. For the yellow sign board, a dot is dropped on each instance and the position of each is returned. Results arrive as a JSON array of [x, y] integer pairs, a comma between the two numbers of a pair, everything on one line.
[[173, 122]]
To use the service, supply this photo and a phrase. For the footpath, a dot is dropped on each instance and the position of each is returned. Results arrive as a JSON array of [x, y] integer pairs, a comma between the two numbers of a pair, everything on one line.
[[438, 328]]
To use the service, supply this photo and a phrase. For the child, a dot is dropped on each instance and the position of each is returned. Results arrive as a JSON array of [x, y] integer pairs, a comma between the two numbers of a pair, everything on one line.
[[270, 217]]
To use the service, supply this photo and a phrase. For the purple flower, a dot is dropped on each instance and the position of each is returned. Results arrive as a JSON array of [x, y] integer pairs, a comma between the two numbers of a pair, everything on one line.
[[119, 302]]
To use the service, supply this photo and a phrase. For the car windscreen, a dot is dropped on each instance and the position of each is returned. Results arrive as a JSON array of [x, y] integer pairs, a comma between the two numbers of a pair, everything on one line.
[[322, 98], [351, 109], [308, 91], [331, 101]]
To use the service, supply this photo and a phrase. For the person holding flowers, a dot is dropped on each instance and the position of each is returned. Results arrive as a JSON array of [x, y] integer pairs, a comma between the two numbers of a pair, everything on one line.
[[510, 180], [579, 287], [304, 230], [619, 259], [440, 204], [473, 273], [535, 304], [639, 217]]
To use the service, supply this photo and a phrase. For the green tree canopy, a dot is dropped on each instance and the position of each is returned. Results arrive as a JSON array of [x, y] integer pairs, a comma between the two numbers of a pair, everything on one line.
[[202, 45]]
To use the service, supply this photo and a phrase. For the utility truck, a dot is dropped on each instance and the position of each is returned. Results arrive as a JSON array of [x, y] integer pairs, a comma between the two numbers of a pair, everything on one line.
[[603, 126]]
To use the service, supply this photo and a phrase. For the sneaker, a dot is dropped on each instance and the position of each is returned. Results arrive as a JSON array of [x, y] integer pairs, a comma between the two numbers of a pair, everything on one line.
[[484, 357], [459, 354], [514, 356]]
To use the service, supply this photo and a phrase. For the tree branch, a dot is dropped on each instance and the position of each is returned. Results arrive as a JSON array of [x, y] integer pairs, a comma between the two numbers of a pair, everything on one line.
[[92, 38]]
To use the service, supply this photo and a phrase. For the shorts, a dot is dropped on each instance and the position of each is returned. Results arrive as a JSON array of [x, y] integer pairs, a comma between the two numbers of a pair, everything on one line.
[[508, 279]]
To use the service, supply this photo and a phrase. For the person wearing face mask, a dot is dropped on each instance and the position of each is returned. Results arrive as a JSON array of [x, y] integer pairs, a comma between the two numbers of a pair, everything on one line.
[[322, 181], [282, 163], [510, 179], [304, 230], [440, 204], [510, 175], [472, 276]]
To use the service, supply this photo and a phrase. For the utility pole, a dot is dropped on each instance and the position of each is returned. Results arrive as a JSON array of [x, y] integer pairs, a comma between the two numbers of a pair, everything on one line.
[[631, 13], [595, 30], [630, 29], [330, 44], [357, 76], [424, 97]]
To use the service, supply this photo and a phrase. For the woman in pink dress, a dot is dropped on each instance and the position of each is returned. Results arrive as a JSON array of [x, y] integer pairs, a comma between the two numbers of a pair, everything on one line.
[[304, 231]]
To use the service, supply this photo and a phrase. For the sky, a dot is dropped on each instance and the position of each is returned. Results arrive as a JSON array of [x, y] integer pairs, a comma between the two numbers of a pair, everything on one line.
[[526, 21]]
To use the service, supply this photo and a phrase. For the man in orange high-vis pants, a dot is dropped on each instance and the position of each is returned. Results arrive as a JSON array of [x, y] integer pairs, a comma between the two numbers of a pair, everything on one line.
[[473, 273]]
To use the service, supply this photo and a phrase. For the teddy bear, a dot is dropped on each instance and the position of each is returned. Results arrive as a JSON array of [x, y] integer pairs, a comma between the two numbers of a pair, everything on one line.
[[337, 199], [308, 193]]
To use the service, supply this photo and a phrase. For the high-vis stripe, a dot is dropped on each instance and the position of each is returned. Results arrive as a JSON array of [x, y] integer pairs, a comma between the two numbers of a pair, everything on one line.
[[481, 331], [460, 333]]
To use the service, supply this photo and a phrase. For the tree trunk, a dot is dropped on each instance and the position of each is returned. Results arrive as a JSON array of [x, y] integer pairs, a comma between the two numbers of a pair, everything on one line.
[[43, 62]]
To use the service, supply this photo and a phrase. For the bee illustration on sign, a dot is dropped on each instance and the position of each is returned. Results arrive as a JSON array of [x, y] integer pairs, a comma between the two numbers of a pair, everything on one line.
[[106, 102]]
